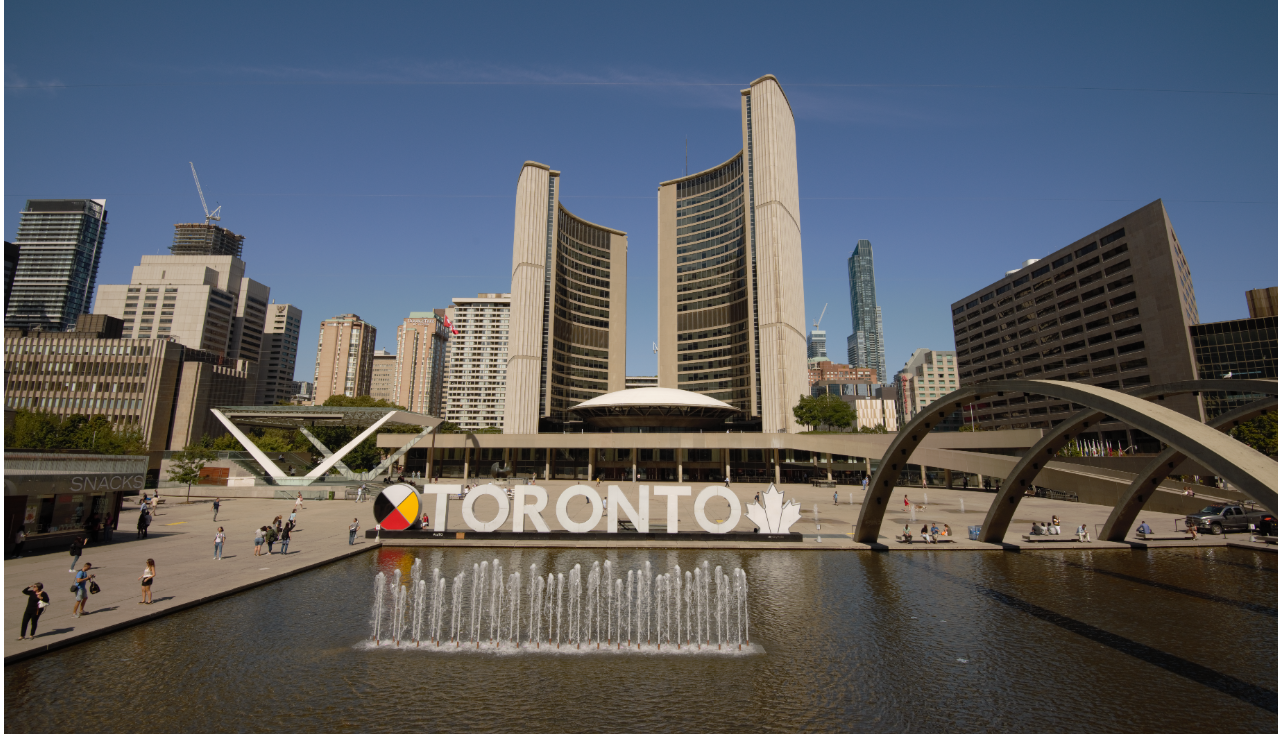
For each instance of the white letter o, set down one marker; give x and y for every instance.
(734, 510)
(503, 508)
(596, 508)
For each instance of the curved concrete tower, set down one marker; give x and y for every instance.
(730, 271)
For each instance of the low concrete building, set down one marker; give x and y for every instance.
(57, 496)
(383, 383)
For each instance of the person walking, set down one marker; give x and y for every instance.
(907, 504)
(284, 537)
(359, 494)
(147, 577)
(218, 539)
(217, 505)
(141, 521)
(354, 529)
(19, 538)
(82, 579)
(865, 483)
(77, 548)
(292, 518)
(258, 538)
(298, 503)
(37, 600)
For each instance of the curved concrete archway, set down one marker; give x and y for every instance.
(1142, 488)
(1009, 496)
(1247, 469)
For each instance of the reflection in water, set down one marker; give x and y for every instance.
(884, 641)
(695, 610)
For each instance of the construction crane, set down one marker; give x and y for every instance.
(214, 217)
(815, 324)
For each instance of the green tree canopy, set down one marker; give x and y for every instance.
(826, 410)
(185, 466)
(47, 431)
(1261, 434)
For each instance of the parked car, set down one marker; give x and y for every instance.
(1220, 519)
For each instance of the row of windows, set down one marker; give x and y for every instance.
(1046, 268)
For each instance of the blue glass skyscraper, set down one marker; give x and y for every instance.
(865, 344)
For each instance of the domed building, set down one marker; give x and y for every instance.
(657, 410)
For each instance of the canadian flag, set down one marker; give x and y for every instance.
(448, 324)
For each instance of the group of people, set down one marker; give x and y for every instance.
(1046, 528)
(278, 530)
(927, 535)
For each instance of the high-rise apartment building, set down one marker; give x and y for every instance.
(61, 241)
(382, 386)
(344, 357)
(279, 354)
(865, 343)
(203, 302)
(816, 347)
(475, 388)
(206, 240)
(730, 271)
(933, 374)
(421, 352)
(1112, 309)
(11, 252)
(567, 310)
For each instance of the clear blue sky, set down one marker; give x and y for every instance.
(369, 151)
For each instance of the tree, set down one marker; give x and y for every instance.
(805, 412)
(40, 430)
(826, 410)
(1261, 434)
(186, 465)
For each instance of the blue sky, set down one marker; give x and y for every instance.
(369, 151)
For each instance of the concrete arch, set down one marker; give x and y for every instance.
(1009, 496)
(1142, 488)
(1247, 469)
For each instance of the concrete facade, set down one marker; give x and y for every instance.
(568, 306)
(382, 386)
(475, 385)
(422, 346)
(730, 265)
(278, 360)
(203, 302)
(1113, 309)
(344, 357)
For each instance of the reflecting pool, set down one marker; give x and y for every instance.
(951, 641)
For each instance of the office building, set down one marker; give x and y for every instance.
(567, 307)
(279, 354)
(730, 272)
(1112, 309)
(933, 374)
(303, 392)
(865, 343)
(1261, 302)
(61, 245)
(475, 383)
(159, 387)
(206, 240)
(344, 357)
(382, 386)
(816, 347)
(421, 355)
(1242, 349)
(203, 302)
(637, 381)
(827, 370)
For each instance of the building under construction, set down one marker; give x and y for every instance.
(205, 239)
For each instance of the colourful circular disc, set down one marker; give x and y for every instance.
(398, 507)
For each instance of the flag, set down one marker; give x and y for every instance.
(448, 324)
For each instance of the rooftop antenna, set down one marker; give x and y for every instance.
(215, 216)
(817, 324)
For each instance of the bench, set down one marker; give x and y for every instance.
(1051, 538)
(1151, 536)
(920, 539)
(1267, 539)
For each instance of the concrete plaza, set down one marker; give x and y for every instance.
(181, 542)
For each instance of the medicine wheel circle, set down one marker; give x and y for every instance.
(398, 507)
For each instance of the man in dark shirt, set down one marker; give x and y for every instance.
(285, 535)
(37, 598)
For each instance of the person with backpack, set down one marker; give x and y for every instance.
(37, 600)
(285, 534)
(271, 535)
(77, 548)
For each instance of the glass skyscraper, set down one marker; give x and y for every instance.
(865, 345)
(61, 241)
